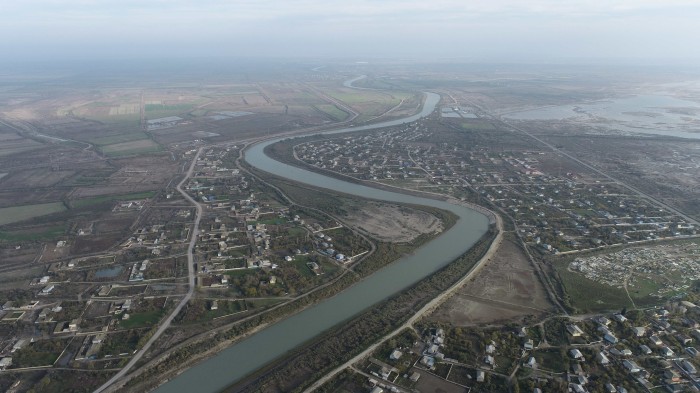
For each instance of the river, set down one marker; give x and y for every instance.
(254, 352)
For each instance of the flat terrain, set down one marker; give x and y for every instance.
(392, 223)
(506, 289)
(19, 213)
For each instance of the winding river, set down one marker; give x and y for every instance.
(254, 352)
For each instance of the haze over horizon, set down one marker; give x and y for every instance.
(500, 30)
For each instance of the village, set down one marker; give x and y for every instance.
(650, 350)
(559, 208)
(252, 252)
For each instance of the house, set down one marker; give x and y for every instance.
(432, 349)
(522, 332)
(5, 363)
(576, 354)
(639, 331)
(414, 377)
(529, 344)
(687, 366)
(489, 360)
(672, 376)
(377, 389)
(577, 388)
(603, 321)
(696, 333)
(396, 355)
(610, 338)
(288, 258)
(480, 375)
(631, 366)
(532, 362)
(667, 352)
(610, 388)
(490, 348)
(602, 359)
(656, 340)
(619, 318)
(574, 330)
(428, 361)
(19, 345)
(692, 351)
(683, 339)
(645, 349)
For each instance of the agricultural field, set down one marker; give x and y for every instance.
(370, 104)
(9, 215)
(12, 144)
(117, 138)
(333, 111)
(130, 148)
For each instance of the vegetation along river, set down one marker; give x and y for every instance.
(254, 352)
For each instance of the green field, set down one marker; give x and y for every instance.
(20, 213)
(332, 111)
(478, 125)
(299, 263)
(119, 138)
(140, 146)
(25, 235)
(589, 296)
(141, 319)
(39, 353)
(105, 198)
(163, 107)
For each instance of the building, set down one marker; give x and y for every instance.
(609, 337)
(396, 355)
(574, 330)
(576, 354)
(639, 331)
(687, 366)
(667, 352)
(5, 363)
(631, 366)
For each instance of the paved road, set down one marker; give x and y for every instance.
(111, 385)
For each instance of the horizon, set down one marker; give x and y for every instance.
(505, 31)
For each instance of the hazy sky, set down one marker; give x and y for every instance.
(483, 30)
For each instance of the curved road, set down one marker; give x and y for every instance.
(190, 291)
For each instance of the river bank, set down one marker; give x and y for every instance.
(253, 353)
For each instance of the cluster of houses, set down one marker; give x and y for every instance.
(657, 337)
(624, 267)
(596, 214)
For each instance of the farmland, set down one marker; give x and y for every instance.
(9, 215)
(131, 148)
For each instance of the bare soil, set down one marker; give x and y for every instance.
(506, 290)
(429, 383)
(392, 223)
